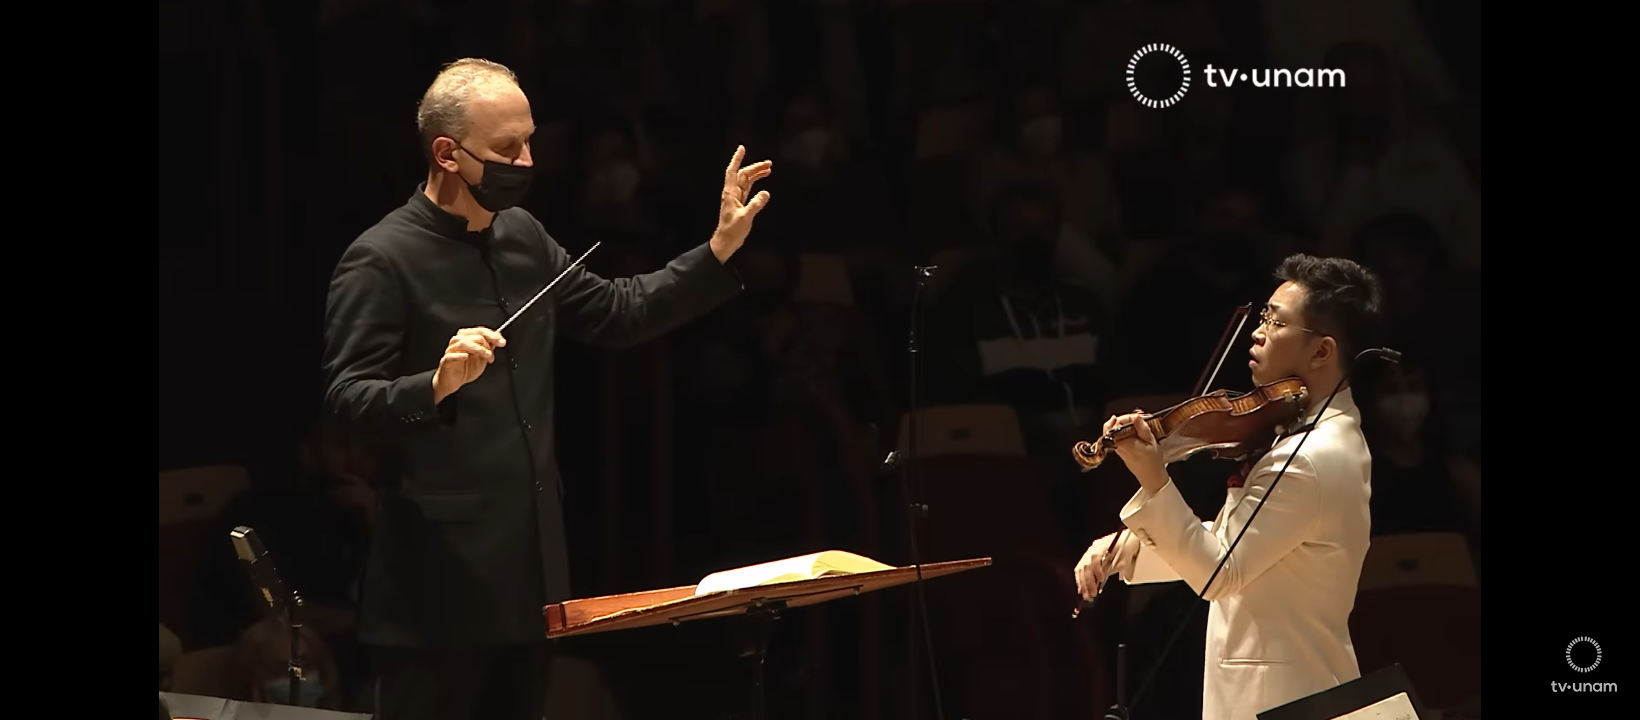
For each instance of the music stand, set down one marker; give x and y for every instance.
(1383, 695)
(761, 605)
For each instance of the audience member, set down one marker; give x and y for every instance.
(1007, 331)
(1373, 157)
(1177, 311)
(1412, 487)
(1433, 311)
(617, 188)
(314, 527)
(1036, 145)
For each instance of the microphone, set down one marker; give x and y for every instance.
(890, 463)
(266, 578)
(264, 575)
(1304, 434)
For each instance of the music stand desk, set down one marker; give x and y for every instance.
(762, 604)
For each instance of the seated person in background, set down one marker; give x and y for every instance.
(618, 187)
(1033, 148)
(1433, 310)
(1413, 490)
(1006, 331)
(1175, 313)
(261, 662)
(1372, 157)
(315, 525)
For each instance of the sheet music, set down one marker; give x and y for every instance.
(1395, 707)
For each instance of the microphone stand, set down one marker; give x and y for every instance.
(915, 512)
(280, 600)
(293, 615)
(1119, 711)
(1386, 353)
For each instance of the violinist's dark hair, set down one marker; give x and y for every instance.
(1342, 299)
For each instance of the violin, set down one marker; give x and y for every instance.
(1228, 425)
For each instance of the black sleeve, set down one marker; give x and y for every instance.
(628, 311)
(365, 320)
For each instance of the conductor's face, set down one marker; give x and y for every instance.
(494, 160)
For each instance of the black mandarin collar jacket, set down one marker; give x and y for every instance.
(469, 542)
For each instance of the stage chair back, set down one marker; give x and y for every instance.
(1420, 605)
(964, 430)
(986, 498)
(189, 502)
(1418, 560)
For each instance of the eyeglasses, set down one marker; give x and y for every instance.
(1268, 321)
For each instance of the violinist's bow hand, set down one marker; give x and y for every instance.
(1092, 569)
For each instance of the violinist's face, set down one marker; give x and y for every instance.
(1283, 345)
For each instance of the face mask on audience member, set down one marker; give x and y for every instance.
(1043, 136)
(1405, 411)
(808, 148)
(276, 691)
(619, 181)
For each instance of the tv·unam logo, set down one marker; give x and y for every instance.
(1583, 654)
(1223, 77)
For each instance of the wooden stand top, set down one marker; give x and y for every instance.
(671, 606)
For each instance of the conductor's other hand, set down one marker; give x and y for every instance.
(469, 352)
(1094, 568)
(737, 206)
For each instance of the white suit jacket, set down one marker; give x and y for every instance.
(1278, 628)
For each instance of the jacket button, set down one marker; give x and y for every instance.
(512, 363)
(528, 427)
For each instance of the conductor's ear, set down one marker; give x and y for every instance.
(444, 154)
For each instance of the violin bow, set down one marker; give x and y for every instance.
(1215, 362)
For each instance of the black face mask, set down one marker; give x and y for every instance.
(504, 185)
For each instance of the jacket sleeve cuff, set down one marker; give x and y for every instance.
(723, 279)
(413, 402)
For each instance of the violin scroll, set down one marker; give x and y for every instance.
(1225, 424)
(1090, 455)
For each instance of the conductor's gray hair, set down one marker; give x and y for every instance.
(443, 108)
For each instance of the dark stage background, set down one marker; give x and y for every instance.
(903, 133)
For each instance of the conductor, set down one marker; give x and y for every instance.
(469, 541)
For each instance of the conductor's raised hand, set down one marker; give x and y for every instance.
(469, 352)
(1139, 450)
(737, 206)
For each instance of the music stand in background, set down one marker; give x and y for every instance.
(1383, 695)
(761, 605)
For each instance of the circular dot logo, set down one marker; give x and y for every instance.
(1581, 641)
(1133, 86)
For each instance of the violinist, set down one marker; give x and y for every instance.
(1278, 627)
